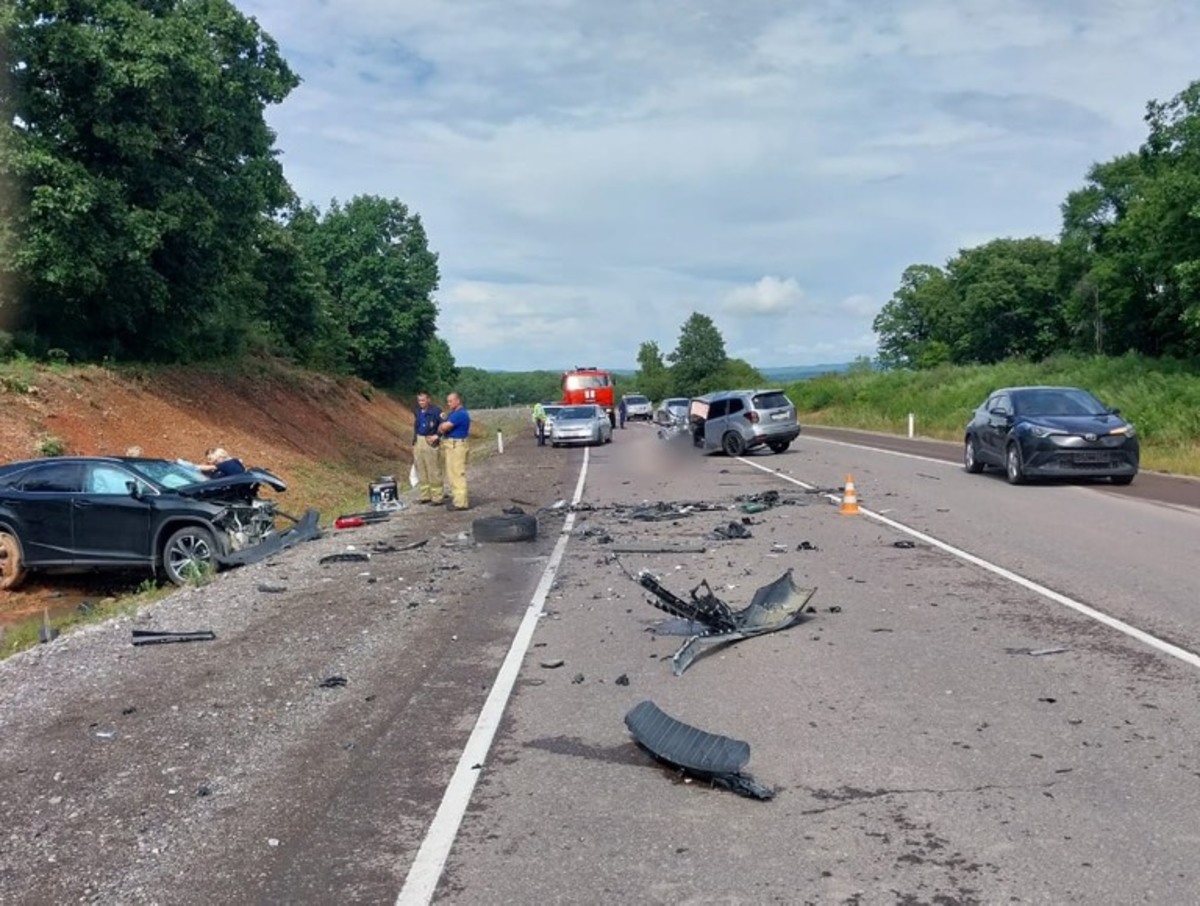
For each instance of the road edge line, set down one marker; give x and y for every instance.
(1188, 657)
(426, 870)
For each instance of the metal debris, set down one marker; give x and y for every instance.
(332, 682)
(1036, 652)
(162, 637)
(731, 531)
(778, 605)
(706, 756)
(346, 557)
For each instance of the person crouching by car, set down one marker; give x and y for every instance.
(219, 464)
(426, 453)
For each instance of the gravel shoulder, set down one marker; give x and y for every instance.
(224, 770)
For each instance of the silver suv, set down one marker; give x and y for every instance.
(739, 420)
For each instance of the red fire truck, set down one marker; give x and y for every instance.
(590, 384)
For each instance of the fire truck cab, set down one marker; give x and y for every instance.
(589, 384)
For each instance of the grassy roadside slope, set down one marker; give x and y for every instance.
(1160, 396)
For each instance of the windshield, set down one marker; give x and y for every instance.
(1056, 402)
(168, 474)
(585, 381)
(569, 412)
(678, 403)
(637, 400)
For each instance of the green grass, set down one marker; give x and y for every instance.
(1160, 396)
(26, 633)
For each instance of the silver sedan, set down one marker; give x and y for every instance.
(581, 425)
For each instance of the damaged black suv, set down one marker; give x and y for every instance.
(84, 513)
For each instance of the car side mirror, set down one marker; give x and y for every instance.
(134, 489)
(1113, 410)
(998, 412)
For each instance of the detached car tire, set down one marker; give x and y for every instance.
(12, 570)
(189, 554)
(517, 527)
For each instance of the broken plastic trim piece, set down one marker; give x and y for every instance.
(157, 637)
(304, 530)
(775, 606)
(706, 756)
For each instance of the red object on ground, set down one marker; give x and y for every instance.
(349, 522)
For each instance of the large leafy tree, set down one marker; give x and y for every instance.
(381, 276)
(653, 378)
(698, 357)
(913, 326)
(141, 172)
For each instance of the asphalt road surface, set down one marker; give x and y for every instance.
(992, 701)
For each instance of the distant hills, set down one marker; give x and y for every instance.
(787, 373)
(783, 374)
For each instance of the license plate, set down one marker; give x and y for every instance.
(778, 416)
(1091, 458)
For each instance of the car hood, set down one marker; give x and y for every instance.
(232, 485)
(561, 422)
(1077, 424)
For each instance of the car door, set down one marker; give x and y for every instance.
(715, 424)
(112, 525)
(994, 432)
(42, 503)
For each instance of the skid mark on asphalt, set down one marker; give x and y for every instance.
(1188, 657)
(421, 883)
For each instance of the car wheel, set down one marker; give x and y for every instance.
(189, 554)
(12, 570)
(1122, 479)
(971, 456)
(732, 444)
(779, 446)
(516, 527)
(1014, 471)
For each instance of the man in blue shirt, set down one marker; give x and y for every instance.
(454, 430)
(426, 455)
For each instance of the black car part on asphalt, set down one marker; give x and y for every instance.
(505, 527)
(163, 637)
(775, 606)
(703, 755)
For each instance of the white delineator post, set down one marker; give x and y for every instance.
(499, 441)
(910, 424)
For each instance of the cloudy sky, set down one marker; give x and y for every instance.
(592, 171)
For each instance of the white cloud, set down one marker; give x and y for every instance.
(592, 173)
(769, 296)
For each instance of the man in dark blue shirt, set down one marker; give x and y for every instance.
(427, 455)
(455, 428)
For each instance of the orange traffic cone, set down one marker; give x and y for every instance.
(849, 499)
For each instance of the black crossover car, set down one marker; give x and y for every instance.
(83, 513)
(1050, 432)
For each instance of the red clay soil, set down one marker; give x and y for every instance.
(315, 431)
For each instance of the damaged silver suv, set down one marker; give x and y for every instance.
(736, 421)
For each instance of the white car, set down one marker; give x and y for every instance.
(637, 406)
(585, 424)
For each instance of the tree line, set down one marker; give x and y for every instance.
(1123, 275)
(144, 214)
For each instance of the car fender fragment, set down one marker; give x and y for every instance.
(707, 756)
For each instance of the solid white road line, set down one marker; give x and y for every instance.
(842, 443)
(426, 869)
(1188, 657)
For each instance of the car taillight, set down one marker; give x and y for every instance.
(752, 416)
